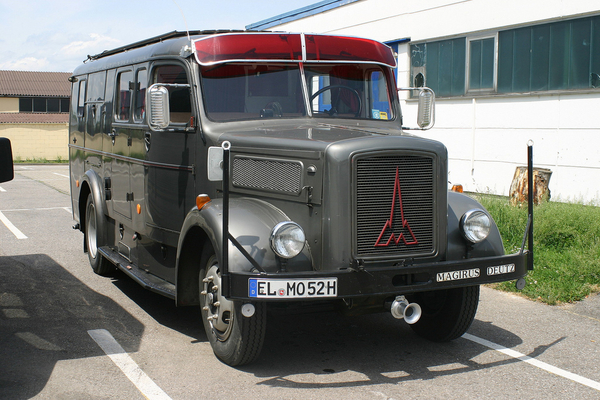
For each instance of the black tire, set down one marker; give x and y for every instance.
(235, 339)
(99, 264)
(446, 314)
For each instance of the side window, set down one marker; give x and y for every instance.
(96, 86)
(141, 83)
(179, 97)
(380, 100)
(81, 100)
(123, 100)
(481, 64)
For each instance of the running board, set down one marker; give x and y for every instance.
(147, 280)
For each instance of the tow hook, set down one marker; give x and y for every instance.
(402, 309)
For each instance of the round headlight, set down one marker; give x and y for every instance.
(475, 225)
(287, 239)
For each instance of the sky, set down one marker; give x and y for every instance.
(57, 35)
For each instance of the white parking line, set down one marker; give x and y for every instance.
(56, 173)
(38, 209)
(131, 370)
(15, 231)
(540, 364)
(2, 189)
(11, 227)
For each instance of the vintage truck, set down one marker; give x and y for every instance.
(239, 171)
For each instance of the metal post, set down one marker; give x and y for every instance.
(225, 282)
(530, 186)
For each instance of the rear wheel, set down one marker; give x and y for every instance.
(99, 264)
(235, 339)
(446, 314)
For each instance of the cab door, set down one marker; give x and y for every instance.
(169, 179)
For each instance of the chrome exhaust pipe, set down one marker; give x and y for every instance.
(402, 309)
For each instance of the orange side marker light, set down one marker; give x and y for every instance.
(202, 200)
(457, 188)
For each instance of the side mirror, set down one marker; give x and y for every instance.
(7, 172)
(158, 112)
(426, 108)
(425, 114)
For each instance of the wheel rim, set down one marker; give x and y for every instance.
(218, 310)
(91, 231)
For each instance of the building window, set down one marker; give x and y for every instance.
(44, 104)
(555, 56)
(482, 55)
(443, 65)
(25, 104)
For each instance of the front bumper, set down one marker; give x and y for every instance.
(393, 280)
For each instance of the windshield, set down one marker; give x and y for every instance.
(243, 91)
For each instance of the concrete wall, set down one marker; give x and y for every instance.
(9, 104)
(37, 141)
(487, 136)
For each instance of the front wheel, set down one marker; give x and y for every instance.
(235, 339)
(446, 314)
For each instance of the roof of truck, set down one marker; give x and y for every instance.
(219, 46)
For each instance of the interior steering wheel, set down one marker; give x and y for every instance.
(333, 107)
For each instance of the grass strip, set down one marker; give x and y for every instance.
(566, 248)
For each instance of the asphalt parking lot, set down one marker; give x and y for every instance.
(66, 333)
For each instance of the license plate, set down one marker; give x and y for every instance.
(292, 288)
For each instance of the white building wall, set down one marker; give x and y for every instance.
(487, 137)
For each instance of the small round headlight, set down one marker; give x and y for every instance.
(287, 239)
(475, 225)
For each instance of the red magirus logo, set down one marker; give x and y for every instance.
(393, 237)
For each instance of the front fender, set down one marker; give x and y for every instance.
(250, 223)
(458, 247)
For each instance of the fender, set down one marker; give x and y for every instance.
(458, 204)
(95, 186)
(250, 222)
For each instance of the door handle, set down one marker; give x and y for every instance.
(147, 136)
(112, 135)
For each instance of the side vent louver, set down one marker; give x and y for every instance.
(267, 174)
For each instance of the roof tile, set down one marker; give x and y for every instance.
(34, 118)
(35, 83)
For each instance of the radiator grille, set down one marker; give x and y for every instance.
(267, 174)
(377, 182)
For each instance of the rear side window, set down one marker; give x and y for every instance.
(123, 101)
(140, 95)
(81, 99)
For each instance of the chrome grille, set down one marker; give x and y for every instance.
(267, 174)
(375, 186)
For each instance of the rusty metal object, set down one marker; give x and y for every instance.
(519, 186)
